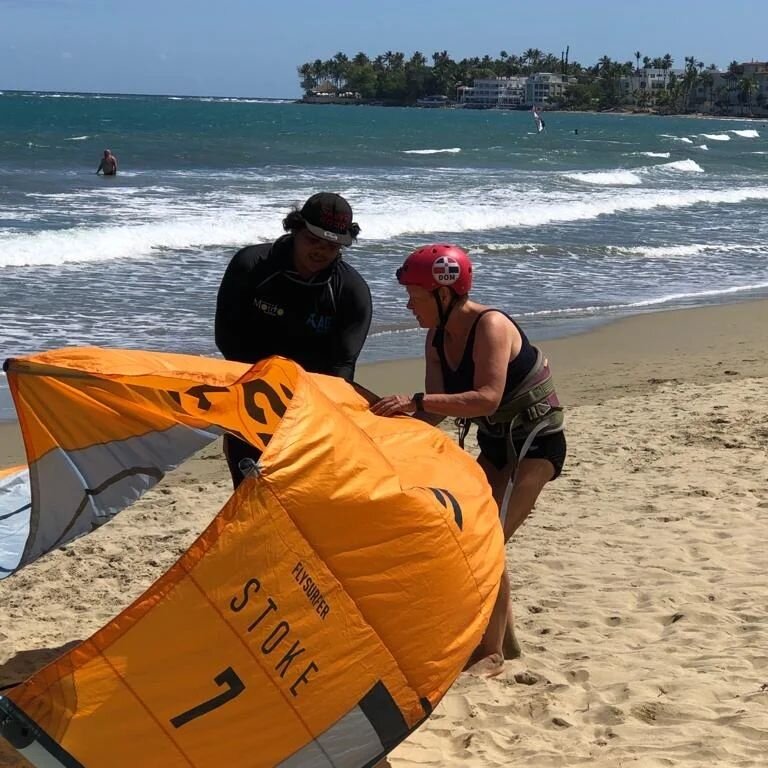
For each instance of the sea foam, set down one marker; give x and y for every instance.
(684, 166)
(607, 178)
(448, 151)
(226, 228)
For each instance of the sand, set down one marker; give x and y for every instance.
(639, 583)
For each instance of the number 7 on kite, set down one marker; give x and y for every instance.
(235, 687)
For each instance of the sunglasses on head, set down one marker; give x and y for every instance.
(319, 240)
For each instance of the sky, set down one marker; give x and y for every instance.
(253, 47)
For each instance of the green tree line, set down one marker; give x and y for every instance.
(392, 78)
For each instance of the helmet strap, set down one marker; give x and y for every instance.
(444, 314)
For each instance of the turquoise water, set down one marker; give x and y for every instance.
(568, 229)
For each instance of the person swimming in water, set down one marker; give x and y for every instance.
(108, 164)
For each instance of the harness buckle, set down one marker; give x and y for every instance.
(538, 410)
(462, 430)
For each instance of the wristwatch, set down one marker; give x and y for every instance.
(418, 398)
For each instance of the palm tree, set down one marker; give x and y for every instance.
(307, 81)
(339, 67)
(397, 61)
(440, 58)
(604, 64)
(444, 72)
(550, 63)
(747, 87)
(708, 81)
(317, 70)
(512, 65)
(665, 63)
(688, 82)
(532, 57)
(418, 59)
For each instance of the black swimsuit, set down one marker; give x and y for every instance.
(495, 447)
(462, 379)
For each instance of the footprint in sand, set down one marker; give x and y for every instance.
(528, 678)
(578, 675)
(455, 707)
(604, 735)
(656, 712)
(607, 714)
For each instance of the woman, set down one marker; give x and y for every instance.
(481, 368)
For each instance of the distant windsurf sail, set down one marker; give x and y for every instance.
(540, 124)
(318, 619)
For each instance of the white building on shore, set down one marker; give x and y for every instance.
(650, 80)
(546, 88)
(514, 92)
(743, 89)
(493, 92)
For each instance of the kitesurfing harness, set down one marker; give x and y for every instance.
(531, 409)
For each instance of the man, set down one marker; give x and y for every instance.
(295, 298)
(108, 164)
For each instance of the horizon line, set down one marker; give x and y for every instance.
(132, 93)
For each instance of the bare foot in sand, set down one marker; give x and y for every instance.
(488, 666)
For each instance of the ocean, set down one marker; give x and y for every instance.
(600, 216)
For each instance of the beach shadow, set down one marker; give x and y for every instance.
(16, 670)
(25, 663)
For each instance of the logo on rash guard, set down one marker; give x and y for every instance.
(319, 323)
(268, 309)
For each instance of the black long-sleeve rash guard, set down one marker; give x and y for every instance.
(263, 308)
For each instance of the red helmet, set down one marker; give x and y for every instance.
(437, 265)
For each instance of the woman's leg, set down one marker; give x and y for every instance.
(532, 476)
(488, 658)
